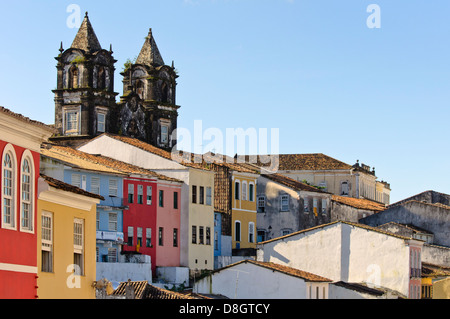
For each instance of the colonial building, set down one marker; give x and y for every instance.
(286, 205)
(19, 150)
(352, 253)
(66, 241)
(85, 101)
(333, 176)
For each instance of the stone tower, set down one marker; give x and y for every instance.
(147, 109)
(85, 104)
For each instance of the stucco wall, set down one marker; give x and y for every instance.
(344, 252)
(247, 281)
(429, 217)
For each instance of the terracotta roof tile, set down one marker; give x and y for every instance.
(144, 290)
(69, 188)
(98, 163)
(25, 119)
(292, 183)
(283, 269)
(160, 152)
(314, 162)
(359, 203)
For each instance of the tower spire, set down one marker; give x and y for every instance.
(149, 54)
(86, 39)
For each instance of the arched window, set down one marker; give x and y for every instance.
(26, 197)
(165, 93)
(101, 78)
(8, 188)
(140, 89)
(237, 230)
(251, 232)
(73, 77)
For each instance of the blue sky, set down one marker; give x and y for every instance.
(311, 68)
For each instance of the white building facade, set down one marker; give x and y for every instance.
(349, 252)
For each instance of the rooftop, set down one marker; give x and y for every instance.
(68, 188)
(307, 276)
(359, 203)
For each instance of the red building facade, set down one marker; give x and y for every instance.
(145, 230)
(19, 151)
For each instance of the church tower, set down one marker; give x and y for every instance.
(147, 109)
(85, 104)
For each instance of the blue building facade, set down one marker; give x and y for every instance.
(109, 211)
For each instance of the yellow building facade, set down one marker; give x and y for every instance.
(66, 232)
(243, 210)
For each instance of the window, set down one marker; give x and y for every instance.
(202, 195)
(27, 196)
(175, 237)
(244, 190)
(47, 242)
(284, 203)
(251, 232)
(324, 206)
(237, 230)
(130, 193)
(95, 185)
(285, 232)
(101, 78)
(112, 188)
(139, 236)
(148, 237)
(175, 200)
(236, 190)
(76, 180)
(140, 198)
(160, 236)
(261, 204)
(201, 236)
(251, 192)
(130, 236)
(306, 205)
(149, 195)
(112, 255)
(194, 234)
(344, 188)
(112, 222)
(161, 198)
(208, 196)
(208, 236)
(194, 194)
(71, 122)
(315, 206)
(101, 120)
(73, 77)
(8, 189)
(216, 240)
(78, 243)
(164, 134)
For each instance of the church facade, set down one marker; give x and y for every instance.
(85, 101)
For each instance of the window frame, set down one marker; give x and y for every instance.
(68, 129)
(12, 224)
(27, 157)
(284, 207)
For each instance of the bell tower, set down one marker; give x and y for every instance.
(85, 104)
(147, 109)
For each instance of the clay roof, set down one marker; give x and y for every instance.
(144, 290)
(160, 152)
(378, 230)
(69, 188)
(359, 203)
(292, 183)
(431, 270)
(86, 39)
(307, 276)
(98, 163)
(25, 119)
(149, 54)
(313, 162)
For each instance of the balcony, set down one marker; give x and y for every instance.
(110, 236)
